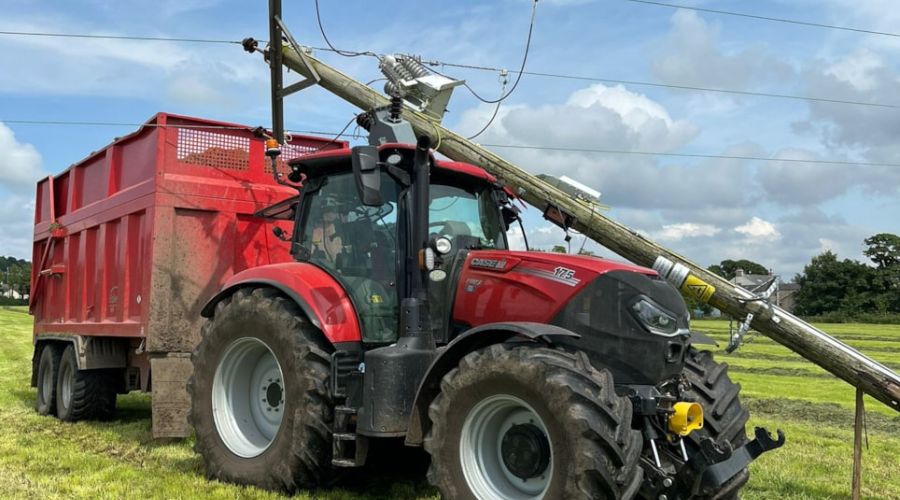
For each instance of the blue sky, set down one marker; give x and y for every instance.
(777, 213)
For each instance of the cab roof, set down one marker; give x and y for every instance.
(324, 161)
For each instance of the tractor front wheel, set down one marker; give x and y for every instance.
(724, 417)
(260, 407)
(523, 422)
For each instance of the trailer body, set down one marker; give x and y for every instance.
(131, 242)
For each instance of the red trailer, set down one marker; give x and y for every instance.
(132, 241)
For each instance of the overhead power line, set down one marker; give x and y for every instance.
(695, 88)
(117, 37)
(765, 18)
(688, 155)
(504, 146)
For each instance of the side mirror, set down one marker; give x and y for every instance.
(510, 215)
(367, 175)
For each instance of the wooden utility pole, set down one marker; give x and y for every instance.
(783, 327)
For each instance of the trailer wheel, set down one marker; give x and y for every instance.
(48, 371)
(83, 394)
(531, 422)
(260, 405)
(724, 418)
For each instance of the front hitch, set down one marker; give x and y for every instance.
(714, 465)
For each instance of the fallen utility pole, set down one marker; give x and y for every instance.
(813, 344)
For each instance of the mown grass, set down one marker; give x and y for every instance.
(40, 456)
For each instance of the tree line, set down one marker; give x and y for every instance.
(15, 276)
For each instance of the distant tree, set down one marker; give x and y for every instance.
(586, 252)
(829, 285)
(559, 249)
(728, 268)
(884, 250)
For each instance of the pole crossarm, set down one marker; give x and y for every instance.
(801, 337)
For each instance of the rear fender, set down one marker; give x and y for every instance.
(321, 297)
(450, 356)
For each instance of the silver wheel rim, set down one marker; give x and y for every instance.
(479, 449)
(65, 386)
(248, 397)
(46, 383)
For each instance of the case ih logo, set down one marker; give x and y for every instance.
(497, 265)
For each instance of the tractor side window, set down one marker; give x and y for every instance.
(358, 245)
(456, 212)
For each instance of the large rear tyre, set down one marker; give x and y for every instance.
(48, 372)
(83, 394)
(260, 404)
(724, 419)
(523, 422)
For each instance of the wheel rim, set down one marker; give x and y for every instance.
(46, 383)
(486, 462)
(248, 397)
(66, 385)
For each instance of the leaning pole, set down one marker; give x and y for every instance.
(694, 281)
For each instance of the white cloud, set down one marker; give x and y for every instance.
(20, 163)
(759, 229)
(857, 69)
(680, 231)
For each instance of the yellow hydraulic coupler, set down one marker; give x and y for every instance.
(687, 418)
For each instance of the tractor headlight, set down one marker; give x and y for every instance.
(654, 317)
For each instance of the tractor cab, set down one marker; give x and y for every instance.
(368, 247)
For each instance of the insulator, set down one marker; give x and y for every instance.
(393, 70)
(396, 108)
(391, 88)
(413, 66)
(364, 120)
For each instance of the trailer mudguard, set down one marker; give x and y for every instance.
(470, 340)
(320, 296)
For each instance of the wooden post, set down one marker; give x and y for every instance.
(857, 445)
(813, 344)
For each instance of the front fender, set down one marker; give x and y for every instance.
(323, 300)
(470, 340)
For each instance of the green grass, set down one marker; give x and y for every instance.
(40, 456)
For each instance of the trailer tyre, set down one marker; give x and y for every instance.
(48, 372)
(83, 394)
(724, 419)
(260, 404)
(531, 422)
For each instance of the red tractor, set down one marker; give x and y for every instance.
(406, 316)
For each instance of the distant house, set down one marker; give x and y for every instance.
(8, 292)
(785, 294)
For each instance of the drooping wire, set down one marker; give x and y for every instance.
(496, 110)
(345, 53)
(521, 68)
(336, 137)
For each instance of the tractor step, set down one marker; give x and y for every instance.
(348, 448)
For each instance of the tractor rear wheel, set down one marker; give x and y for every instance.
(522, 422)
(48, 371)
(83, 394)
(260, 405)
(724, 419)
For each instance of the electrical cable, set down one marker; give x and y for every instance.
(694, 88)
(765, 18)
(344, 53)
(119, 37)
(521, 68)
(493, 116)
(507, 146)
(690, 155)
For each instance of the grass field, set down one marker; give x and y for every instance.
(40, 456)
